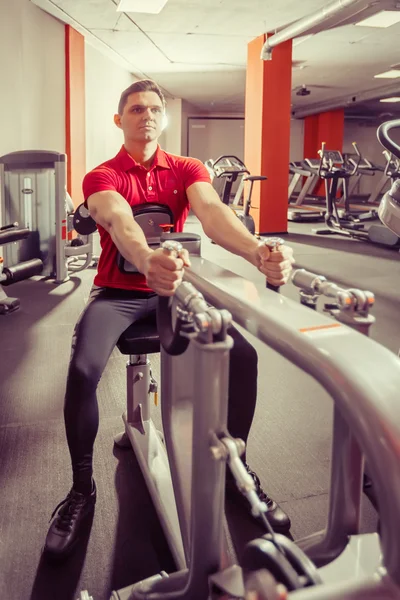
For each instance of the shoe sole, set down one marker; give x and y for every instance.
(54, 558)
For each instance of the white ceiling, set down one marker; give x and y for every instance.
(197, 49)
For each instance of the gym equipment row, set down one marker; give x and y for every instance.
(195, 343)
(225, 172)
(331, 169)
(355, 165)
(33, 193)
(12, 274)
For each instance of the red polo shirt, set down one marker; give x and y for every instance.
(165, 182)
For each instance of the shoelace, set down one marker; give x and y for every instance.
(260, 492)
(71, 504)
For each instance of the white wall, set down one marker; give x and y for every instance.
(296, 139)
(188, 110)
(213, 137)
(105, 81)
(171, 138)
(32, 67)
(365, 136)
(209, 138)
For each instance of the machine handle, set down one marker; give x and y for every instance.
(10, 226)
(273, 244)
(322, 156)
(230, 156)
(385, 140)
(357, 164)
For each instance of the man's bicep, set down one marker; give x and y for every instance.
(105, 204)
(201, 196)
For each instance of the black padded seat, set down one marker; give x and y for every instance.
(140, 338)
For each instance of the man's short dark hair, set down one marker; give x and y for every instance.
(144, 85)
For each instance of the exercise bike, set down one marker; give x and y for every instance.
(195, 346)
(332, 170)
(228, 168)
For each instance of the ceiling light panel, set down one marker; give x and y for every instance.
(393, 74)
(141, 6)
(385, 18)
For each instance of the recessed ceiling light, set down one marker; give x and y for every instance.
(141, 6)
(385, 18)
(392, 74)
(394, 99)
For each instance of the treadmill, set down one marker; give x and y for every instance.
(297, 212)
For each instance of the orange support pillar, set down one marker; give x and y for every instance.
(267, 133)
(75, 112)
(325, 127)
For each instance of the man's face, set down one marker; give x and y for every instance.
(142, 117)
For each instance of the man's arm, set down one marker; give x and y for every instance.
(110, 210)
(224, 228)
(163, 273)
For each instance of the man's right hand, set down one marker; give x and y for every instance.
(164, 270)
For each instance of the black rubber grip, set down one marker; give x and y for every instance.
(13, 234)
(170, 339)
(273, 288)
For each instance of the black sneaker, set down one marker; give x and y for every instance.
(67, 526)
(277, 518)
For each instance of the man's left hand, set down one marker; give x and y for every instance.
(276, 265)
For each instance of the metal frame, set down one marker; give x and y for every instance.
(366, 422)
(192, 524)
(141, 433)
(366, 402)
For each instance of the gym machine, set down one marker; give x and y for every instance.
(333, 564)
(33, 193)
(10, 234)
(391, 173)
(301, 169)
(225, 172)
(389, 208)
(357, 166)
(365, 168)
(227, 169)
(299, 213)
(350, 165)
(331, 169)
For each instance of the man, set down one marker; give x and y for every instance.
(142, 172)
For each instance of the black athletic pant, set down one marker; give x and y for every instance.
(108, 313)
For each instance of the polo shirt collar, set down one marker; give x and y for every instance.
(127, 162)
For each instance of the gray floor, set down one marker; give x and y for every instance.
(289, 445)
